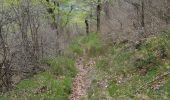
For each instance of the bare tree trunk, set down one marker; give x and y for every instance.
(106, 9)
(87, 26)
(42, 48)
(24, 40)
(2, 63)
(23, 24)
(7, 75)
(143, 14)
(142, 31)
(55, 23)
(34, 26)
(137, 24)
(57, 30)
(5, 70)
(98, 16)
(168, 12)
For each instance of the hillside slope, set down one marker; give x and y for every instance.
(133, 71)
(122, 70)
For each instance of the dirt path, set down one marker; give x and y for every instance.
(82, 81)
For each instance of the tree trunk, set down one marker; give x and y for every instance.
(98, 16)
(143, 14)
(106, 9)
(168, 12)
(57, 29)
(5, 71)
(35, 43)
(87, 26)
(1, 63)
(42, 48)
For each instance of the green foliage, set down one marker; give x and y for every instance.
(120, 66)
(103, 64)
(147, 62)
(54, 84)
(166, 89)
(62, 66)
(93, 44)
(26, 84)
(116, 59)
(153, 51)
(113, 88)
(58, 89)
(90, 44)
(9, 3)
(76, 47)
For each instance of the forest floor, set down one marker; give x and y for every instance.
(104, 72)
(121, 71)
(83, 79)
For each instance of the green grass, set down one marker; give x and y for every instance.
(62, 66)
(118, 63)
(57, 82)
(153, 51)
(90, 44)
(121, 64)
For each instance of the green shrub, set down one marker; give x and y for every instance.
(57, 89)
(147, 63)
(57, 82)
(90, 44)
(119, 66)
(63, 66)
(153, 51)
(76, 48)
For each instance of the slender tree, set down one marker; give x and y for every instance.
(143, 14)
(98, 11)
(87, 26)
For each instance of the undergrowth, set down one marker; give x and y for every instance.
(53, 84)
(122, 70)
(129, 70)
(90, 45)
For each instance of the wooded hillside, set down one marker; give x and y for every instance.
(84, 49)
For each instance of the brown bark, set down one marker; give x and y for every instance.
(98, 16)
(87, 26)
(143, 14)
(5, 70)
(106, 9)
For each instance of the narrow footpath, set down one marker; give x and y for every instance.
(83, 80)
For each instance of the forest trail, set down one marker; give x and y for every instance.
(83, 80)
